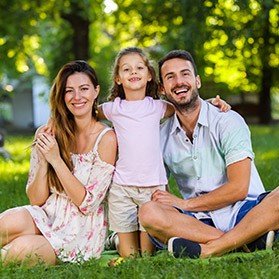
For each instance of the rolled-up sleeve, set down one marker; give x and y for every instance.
(236, 139)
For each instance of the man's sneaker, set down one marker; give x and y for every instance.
(180, 248)
(264, 242)
(111, 241)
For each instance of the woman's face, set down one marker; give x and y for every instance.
(80, 94)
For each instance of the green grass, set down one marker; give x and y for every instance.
(262, 264)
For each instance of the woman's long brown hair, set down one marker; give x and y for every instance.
(62, 119)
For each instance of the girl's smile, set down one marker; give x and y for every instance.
(133, 75)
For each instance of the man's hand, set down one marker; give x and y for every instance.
(221, 104)
(167, 198)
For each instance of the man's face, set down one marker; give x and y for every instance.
(180, 85)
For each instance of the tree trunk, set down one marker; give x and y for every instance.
(265, 93)
(80, 26)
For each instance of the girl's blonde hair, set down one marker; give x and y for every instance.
(152, 85)
(62, 119)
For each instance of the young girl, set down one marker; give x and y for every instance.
(135, 111)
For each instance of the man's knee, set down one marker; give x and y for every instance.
(147, 213)
(273, 199)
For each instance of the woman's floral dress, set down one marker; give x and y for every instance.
(76, 233)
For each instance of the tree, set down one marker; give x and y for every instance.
(235, 43)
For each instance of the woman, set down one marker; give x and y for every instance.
(69, 176)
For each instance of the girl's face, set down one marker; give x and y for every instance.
(80, 94)
(133, 74)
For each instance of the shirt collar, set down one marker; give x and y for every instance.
(203, 116)
(202, 120)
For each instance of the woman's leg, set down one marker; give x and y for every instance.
(259, 220)
(16, 222)
(128, 244)
(29, 248)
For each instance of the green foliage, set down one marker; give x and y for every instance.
(227, 38)
(14, 172)
(265, 145)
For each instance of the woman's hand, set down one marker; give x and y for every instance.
(221, 104)
(48, 147)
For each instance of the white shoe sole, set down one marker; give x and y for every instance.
(270, 239)
(170, 246)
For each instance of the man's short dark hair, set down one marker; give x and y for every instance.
(179, 53)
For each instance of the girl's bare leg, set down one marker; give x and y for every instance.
(146, 245)
(128, 244)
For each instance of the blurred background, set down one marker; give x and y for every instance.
(234, 43)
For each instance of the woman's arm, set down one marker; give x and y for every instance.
(101, 174)
(48, 146)
(75, 190)
(37, 188)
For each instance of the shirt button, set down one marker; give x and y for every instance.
(195, 136)
(195, 157)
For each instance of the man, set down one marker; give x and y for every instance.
(209, 153)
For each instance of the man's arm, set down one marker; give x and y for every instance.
(234, 190)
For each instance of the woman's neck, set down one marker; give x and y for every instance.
(85, 125)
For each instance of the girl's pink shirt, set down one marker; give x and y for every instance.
(137, 127)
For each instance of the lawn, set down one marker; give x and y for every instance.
(262, 264)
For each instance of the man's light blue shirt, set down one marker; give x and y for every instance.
(219, 139)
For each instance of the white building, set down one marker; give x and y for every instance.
(29, 105)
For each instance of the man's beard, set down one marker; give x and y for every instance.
(186, 105)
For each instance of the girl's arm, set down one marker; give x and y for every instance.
(169, 110)
(217, 101)
(221, 104)
(101, 114)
